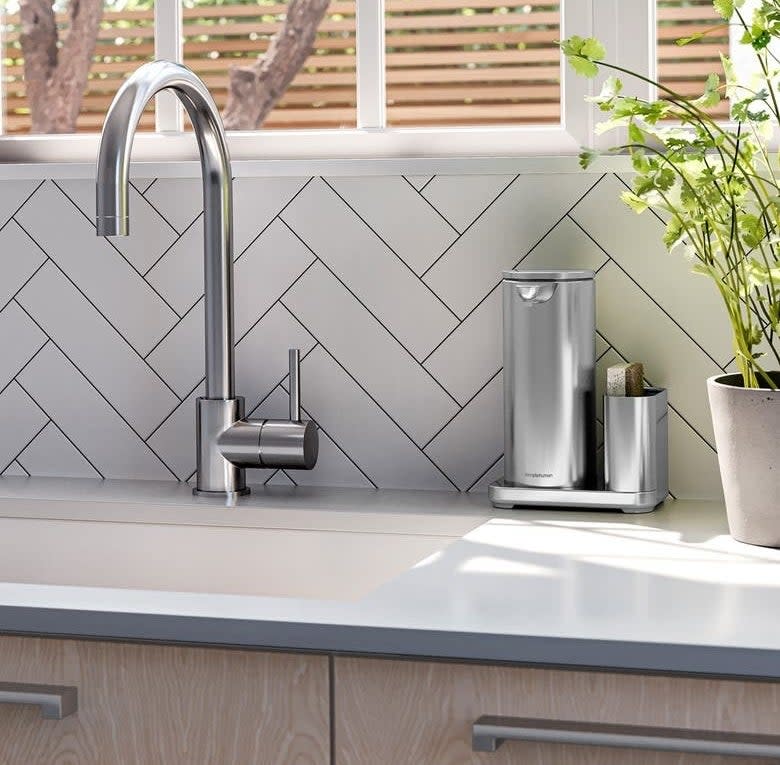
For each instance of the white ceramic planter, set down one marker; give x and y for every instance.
(747, 435)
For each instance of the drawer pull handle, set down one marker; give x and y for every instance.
(488, 733)
(55, 701)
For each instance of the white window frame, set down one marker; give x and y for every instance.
(390, 149)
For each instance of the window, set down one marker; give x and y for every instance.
(123, 41)
(218, 35)
(684, 68)
(491, 63)
(383, 78)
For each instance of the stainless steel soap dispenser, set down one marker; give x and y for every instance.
(549, 379)
(550, 452)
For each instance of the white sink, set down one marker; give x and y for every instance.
(328, 565)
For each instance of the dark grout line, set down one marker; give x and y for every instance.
(653, 212)
(278, 215)
(265, 483)
(462, 322)
(311, 417)
(75, 446)
(178, 239)
(178, 323)
(589, 236)
(485, 472)
(278, 384)
(113, 247)
(692, 427)
(645, 292)
(154, 180)
(369, 311)
(471, 225)
(670, 405)
(32, 275)
(601, 356)
(418, 277)
(99, 392)
(665, 312)
(538, 241)
(278, 300)
(289, 477)
(560, 220)
(378, 405)
(430, 204)
(28, 362)
(29, 474)
(255, 239)
(37, 433)
(106, 319)
(170, 414)
(193, 389)
(457, 414)
(26, 200)
(170, 225)
(427, 183)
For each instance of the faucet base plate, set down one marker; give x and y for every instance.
(222, 494)
(509, 497)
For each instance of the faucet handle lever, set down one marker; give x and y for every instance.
(295, 384)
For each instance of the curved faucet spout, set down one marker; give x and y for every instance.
(112, 197)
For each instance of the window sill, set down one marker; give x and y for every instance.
(296, 153)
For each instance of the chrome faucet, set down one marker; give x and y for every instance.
(227, 443)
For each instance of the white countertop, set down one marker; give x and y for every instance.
(389, 572)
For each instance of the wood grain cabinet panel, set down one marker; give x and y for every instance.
(166, 705)
(420, 713)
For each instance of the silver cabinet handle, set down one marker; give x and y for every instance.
(488, 733)
(55, 701)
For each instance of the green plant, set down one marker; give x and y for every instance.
(717, 187)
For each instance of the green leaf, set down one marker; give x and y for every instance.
(582, 53)
(753, 109)
(751, 229)
(593, 49)
(639, 161)
(611, 88)
(732, 84)
(673, 233)
(711, 95)
(689, 39)
(583, 66)
(754, 337)
(724, 7)
(635, 133)
(665, 179)
(637, 204)
(760, 275)
(587, 157)
(758, 35)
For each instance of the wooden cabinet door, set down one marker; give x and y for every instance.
(166, 705)
(421, 713)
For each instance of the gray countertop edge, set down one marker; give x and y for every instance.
(572, 653)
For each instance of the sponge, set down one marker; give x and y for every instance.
(625, 380)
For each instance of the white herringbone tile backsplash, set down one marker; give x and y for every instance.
(388, 285)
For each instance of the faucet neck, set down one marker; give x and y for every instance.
(113, 189)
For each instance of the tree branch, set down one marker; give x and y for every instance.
(70, 78)
(55, 79)
(254, 90)
(38, 38)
